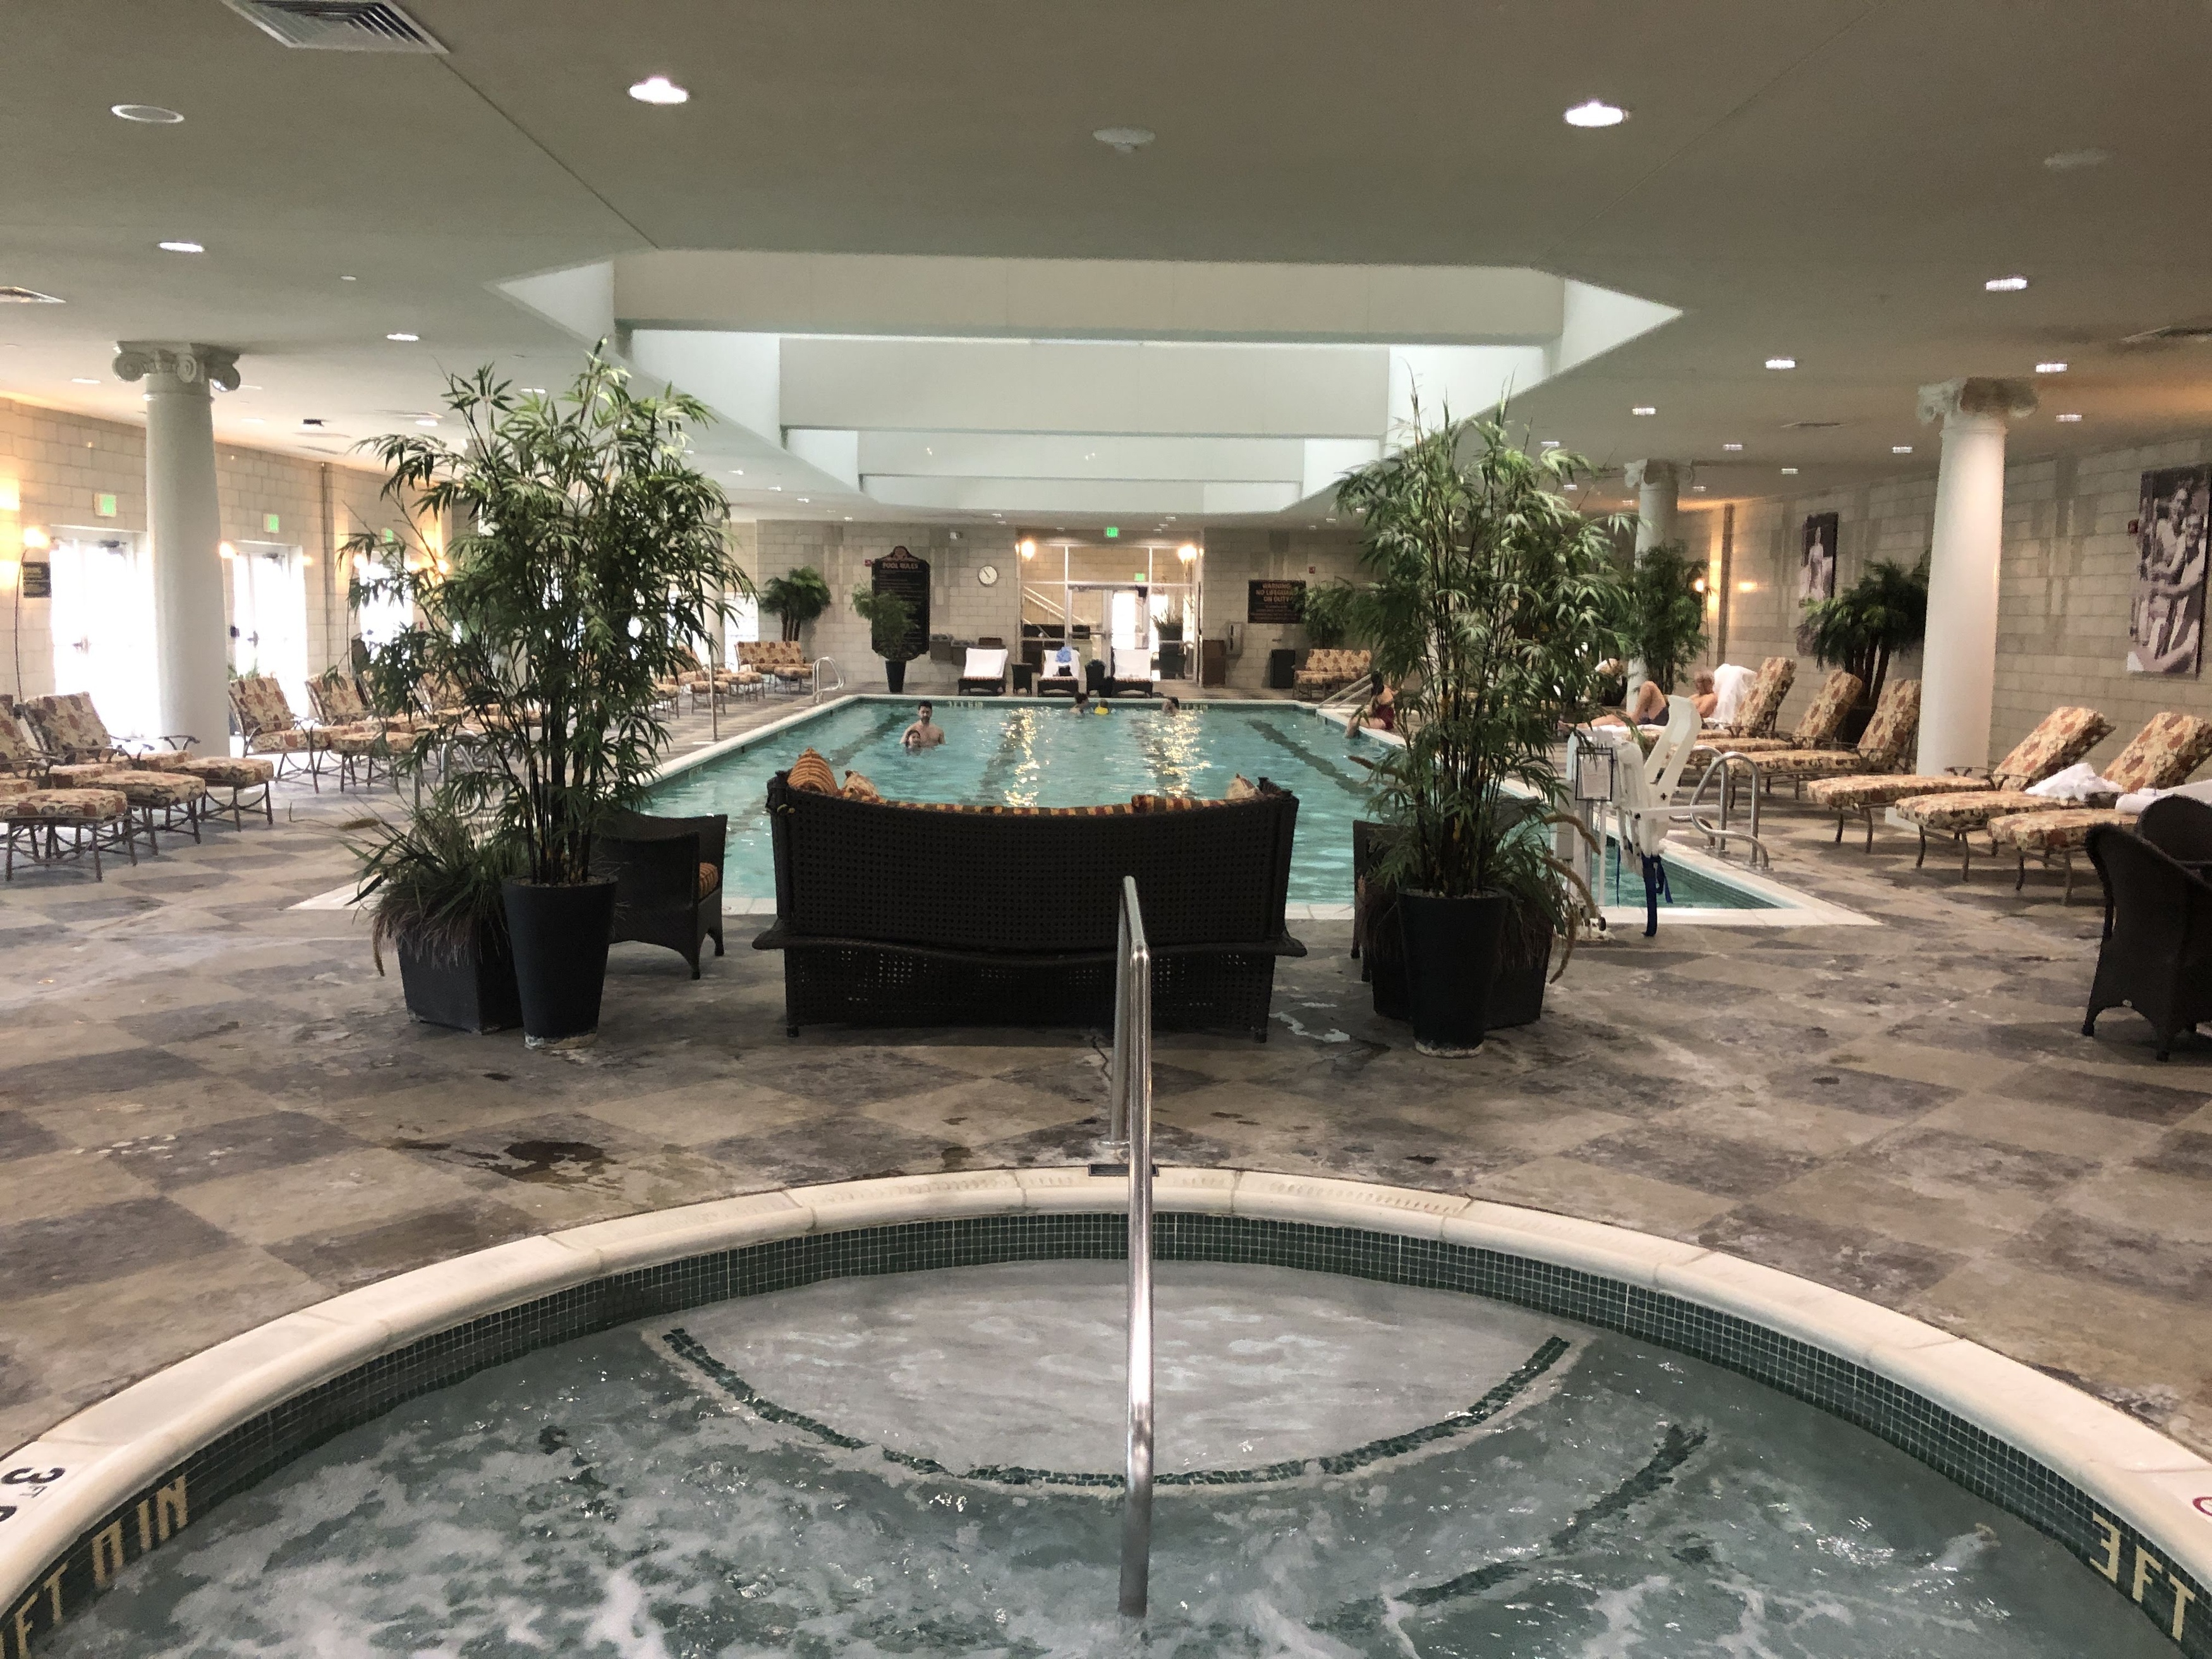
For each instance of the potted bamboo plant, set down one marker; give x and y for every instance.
(795, 599)
(891, 633)
(433, 886)
(1494, 603)
(1665, 612)
(563, 556)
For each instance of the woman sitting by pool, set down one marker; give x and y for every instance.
(1380, 712)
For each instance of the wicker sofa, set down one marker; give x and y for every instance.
(1326, 670)
(919, 915)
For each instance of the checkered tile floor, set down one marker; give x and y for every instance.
(212, 1110)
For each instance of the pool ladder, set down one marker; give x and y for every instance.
(1723, 767)
(1129, 1127)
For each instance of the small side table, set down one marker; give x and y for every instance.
(1025, 678)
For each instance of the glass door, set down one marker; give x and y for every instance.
(102, 619)
(269, 616)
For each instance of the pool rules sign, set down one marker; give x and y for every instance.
(899, 572)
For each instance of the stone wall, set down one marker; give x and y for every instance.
(2064, 586)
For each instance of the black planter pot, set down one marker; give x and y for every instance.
(474, 992)
(1524, 961)
(894, 676)
(1451, 967)
(560, 935)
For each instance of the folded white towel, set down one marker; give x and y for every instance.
(2077, 782)
(1731, 685)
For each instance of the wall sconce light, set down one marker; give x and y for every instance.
(1698, 585)
(35, 540)
(1029, 549)
(1746, 587)
(224, 550)
(11, 572)
(1187, 552)
(11, 496)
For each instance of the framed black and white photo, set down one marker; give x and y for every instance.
(2166, 619)
(1816, 567)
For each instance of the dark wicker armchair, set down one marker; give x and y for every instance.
(2180, 827)
(2156, 957)
(668, 880)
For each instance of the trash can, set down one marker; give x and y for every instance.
(1282, 670)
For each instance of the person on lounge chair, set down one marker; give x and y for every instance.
(924, 732)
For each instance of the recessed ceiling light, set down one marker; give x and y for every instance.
(180, 247)
(349, 279)
(405, 338)
(1551, 443)
(249, 386)
(1901, 449)
(1789, 472)
(2066, 160)
(848, 517)
(533, 390)
(426, 421)
(1782, 363)
(777, 487)
(736, 472)
(658, 89)
(1696, 489)
(79, 379)
(1126, 141)
(803, 500)
(1596, 112)
(2005, 284)
(1731, 446)
(2069, 417)
(1644, 409)
(1573, 486)
(152, 115)
(2050, 369)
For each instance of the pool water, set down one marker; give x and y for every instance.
(1030, 754)
(1395, 1472)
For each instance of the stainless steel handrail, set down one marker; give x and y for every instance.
(1348, 698)
(1721, 765)
(1130, 1126)
(837, 683)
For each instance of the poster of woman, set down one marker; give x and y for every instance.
(1816, 569)
(2165, 622)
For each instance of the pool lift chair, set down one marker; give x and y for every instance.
(1643, 794)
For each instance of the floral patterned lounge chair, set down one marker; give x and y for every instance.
(1762, 703)
(2060, 738)
(2160, 757)
(1888, 739)
(2182, 745)
(1816, 728)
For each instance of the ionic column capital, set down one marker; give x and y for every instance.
(1973, 396)
(177, 366)
(1660, 474)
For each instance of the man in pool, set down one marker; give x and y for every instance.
(1171, 705)
(924, 732)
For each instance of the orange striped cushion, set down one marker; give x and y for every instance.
(810, 771)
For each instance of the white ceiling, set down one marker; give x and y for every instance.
(1828, 179)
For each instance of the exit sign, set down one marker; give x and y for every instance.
(269, 522)
(1112, 531)
(103, 506)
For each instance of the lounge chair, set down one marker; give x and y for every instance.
(31, 822)
(1762, 703)
(1816, 727)
(668, 879)
(1062, 674)
(2156, 953)
(75, 731)
(2060, 738)
(1325, 669)
(2161, 756)
(985, 673)
(780, 662)
(23, 758)
(1132, 673)
(1883, 747)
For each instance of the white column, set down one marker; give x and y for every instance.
(1658, 487)
(1959, 678)
(192, 679)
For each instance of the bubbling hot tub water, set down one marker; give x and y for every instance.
(924, 1463)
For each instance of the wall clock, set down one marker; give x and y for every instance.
(988, 576)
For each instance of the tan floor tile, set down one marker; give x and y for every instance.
(325, 1194)
(975, 1112)
(1952, 1068)
(1793, 1127)
(72, 1041)
(704, 1112)
(1597, 1193)
(1845, 1195)
(2045, 1128)
(100, 1121)
(58, 1182)
(2147, 1201)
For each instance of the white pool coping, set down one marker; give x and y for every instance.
(111, 1451)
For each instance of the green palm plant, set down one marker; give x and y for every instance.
(797, 598)
(586, 555)
(1666, 617)
(1883, 612)
(1494, 603)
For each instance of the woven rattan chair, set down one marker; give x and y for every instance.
(2157, 954)
(668, 879)
(2180, 827)
(929, 916)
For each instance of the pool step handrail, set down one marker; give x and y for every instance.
(836, 682)
(1349, 697)
(1721, 766)
(1129, 1125)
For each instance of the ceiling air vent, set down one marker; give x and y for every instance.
(1808, 425)
(27, 297)
(337, 25)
